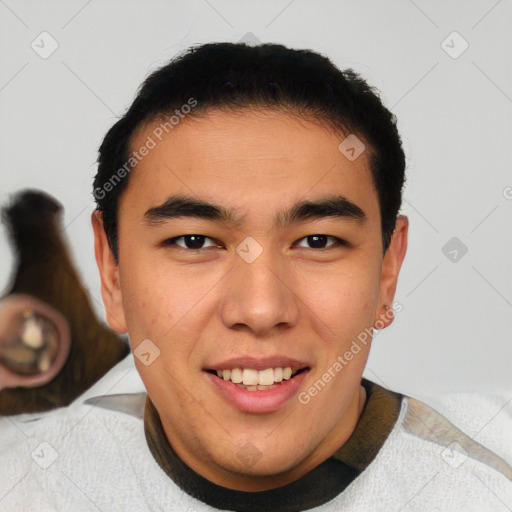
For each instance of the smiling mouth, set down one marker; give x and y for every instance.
(251, 379)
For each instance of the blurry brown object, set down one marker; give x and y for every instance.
(52, 346)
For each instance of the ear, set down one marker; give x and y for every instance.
(109, 274)
(391, 264)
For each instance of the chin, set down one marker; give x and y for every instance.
(263, 459)
(266, 474)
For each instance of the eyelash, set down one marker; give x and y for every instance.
(172, 242)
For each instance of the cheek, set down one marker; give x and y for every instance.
(147, 303)
(344, 299)
(164, 303)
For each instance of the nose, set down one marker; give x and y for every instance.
(259, 297)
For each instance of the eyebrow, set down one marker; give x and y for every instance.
(181, 206)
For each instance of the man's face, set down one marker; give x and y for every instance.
(252, 295)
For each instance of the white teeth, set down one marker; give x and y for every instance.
(266, 377)
(250, 377)
(236, 376)
(256, 388)
(262, 379)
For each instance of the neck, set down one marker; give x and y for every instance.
(254, 483)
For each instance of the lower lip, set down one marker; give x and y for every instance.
(259, 401)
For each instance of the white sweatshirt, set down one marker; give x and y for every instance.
(81, 458)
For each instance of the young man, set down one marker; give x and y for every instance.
(249, 240)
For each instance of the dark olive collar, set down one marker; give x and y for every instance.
(317, 487)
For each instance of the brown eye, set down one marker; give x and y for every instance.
(320, 241)
(193, 242)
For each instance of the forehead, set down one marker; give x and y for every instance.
(246, 158)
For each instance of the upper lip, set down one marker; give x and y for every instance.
(260, 363)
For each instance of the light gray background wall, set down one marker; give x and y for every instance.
(454, 113)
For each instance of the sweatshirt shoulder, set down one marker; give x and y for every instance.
(449, 454)
(477, 426)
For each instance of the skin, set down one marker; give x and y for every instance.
(295, 299)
